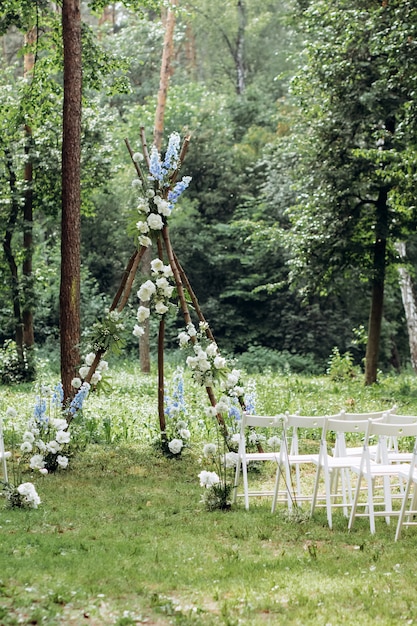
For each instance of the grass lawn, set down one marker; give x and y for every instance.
(122, 538)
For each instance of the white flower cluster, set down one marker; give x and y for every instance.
(85, 368)
(43, 440)
(206, 364)
(156, 292)
(208, 479)
(152, 211)
(29, 495)
(177, 443)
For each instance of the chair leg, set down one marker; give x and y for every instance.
(355, 502)
(276, 488)
(371, 505)
(315, 490)
(403, 509)
(245, 484)
(236, 483)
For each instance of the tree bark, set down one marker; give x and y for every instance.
(27, 267)
(10, 258)
(378, 283)
(71, 195)
(165, 75)
(409, 302)
(240, 47)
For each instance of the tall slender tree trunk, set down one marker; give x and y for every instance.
(27, 267)
(240, 48)
(71, 195)
(378, 283)
(10, 257)
(165, 75)
(409, 302)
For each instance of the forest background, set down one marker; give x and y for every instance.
(297, 231)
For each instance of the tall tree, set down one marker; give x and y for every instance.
(356, 95)
(71, 194)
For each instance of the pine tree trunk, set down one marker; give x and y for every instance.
(409, 302)
(71, 195)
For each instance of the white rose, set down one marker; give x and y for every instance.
(63, 436)
(155, 221)
(37, 462)
(143, 313)
(83, 371)
(138, 331)
(157, 266)
(144, 241)
(62, 461)
(175, 446)
(219, 362)
(90, 358)
(146, 290)
(161, 308)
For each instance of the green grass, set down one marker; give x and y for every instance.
(122, 538)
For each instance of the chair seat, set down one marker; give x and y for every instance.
(379, 469)
(303, 458)
(262, 456)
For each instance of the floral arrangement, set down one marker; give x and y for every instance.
(217, 483)
(22, 496)
(177, 433)
(18, 494)
(156, 293)
(96, 379)
(159, 193)
(44, 446)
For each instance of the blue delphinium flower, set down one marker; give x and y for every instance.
(234, 412)
(39, 411)
(58, 395)
(178, 189)
(171, 155)
(155, 165)
(78, 399)
(250, 402)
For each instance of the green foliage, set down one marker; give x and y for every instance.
(341, 366)
(15, 368)
(259, 359)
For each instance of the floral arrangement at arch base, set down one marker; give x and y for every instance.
(43, 447)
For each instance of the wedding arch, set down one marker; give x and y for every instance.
(159, 187)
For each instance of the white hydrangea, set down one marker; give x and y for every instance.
(175, 446)
(30, 496)
(208, 479)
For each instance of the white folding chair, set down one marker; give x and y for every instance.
(408, 511)
(332, 466)
(369, 471)
(290, 457)
(2, 454)
(250, 423)
(389, 451)
(341, 447)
